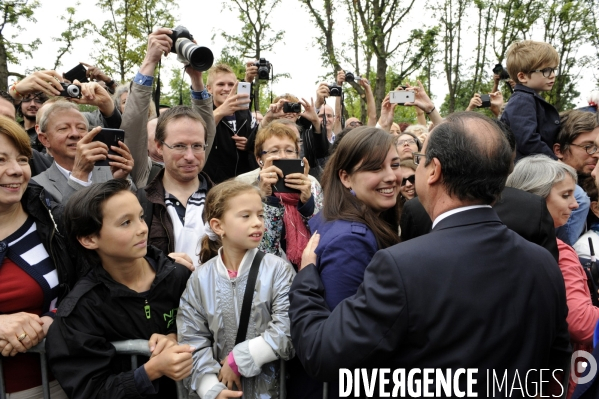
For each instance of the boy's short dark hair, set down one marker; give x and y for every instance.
(527, 55)
(83, 216)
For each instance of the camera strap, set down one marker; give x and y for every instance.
(157, 90)
(248, 297)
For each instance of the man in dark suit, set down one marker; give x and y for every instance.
(471, 294)
(523, 212)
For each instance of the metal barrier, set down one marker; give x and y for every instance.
(133, 347)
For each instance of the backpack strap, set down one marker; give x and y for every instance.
(248, 296)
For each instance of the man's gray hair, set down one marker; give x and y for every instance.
(57, 107)
(537, 174)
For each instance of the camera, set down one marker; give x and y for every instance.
(486, 99)
(263, 69)
(335, 90)
(292, 107)
(500, 70)
(70, 90)
(198, 57)
(349, 77)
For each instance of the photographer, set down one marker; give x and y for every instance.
(421, 100)
(496, 103)
(94, 73)
(135, 119)
(234, 122)
(370, 105)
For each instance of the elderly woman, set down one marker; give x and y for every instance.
(555, 181)
(35, 269)
(285, 215)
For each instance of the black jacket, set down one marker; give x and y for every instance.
(533, 120)
(520, 211)
(471, 294)
(225, 160)
(99, 311)
(47, 216)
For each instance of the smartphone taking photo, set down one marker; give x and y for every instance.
(109, 137)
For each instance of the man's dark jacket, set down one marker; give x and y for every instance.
(225, 160)
(471, 294)
(533, 120)
(521, 211)
(99, 311)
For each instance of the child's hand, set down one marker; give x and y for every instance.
(225, 393)
(227, 376)
(174, 362)
(159, 342)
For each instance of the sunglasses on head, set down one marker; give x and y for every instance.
(410, 179)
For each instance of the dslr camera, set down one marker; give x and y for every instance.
(335, 90)
(263, 69)
(292, 107)
(70, 90)
(500, 70)
(198, 57)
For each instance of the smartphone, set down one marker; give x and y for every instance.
(79, 73)
(401, 97)
(109, 137)
(486, 99)
(245, 88)
(288, 166)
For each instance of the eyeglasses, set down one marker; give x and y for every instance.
(547, 72)
(589, 148)
(410, 179)
(287, 152)
(36, 100)
(404, 142)
(356, 123)
(196, 148)
(417, 157)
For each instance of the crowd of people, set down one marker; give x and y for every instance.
(458, 242)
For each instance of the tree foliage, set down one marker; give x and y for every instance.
(75, 30)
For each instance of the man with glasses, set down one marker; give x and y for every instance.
(535, 122)
(576, 145)
(174, 201)
(27, 110)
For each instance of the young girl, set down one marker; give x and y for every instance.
(210, 308)
(131, 292)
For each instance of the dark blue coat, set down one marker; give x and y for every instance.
(344, 251)
(533, 120)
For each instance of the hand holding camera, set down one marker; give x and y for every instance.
(91, 93)
(159, 44)
(47, 82)
(251, 71)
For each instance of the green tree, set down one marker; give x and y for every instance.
(13, 12)
(75, 30)
(122, 38)
(257, 36)
(180, 92)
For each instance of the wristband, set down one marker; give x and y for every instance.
(429, 112)
(232, 364)
(14, 88)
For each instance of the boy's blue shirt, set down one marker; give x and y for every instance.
(534, 122)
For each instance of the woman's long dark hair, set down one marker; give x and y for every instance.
(362, 149)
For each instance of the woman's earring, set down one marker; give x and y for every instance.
(352, 192)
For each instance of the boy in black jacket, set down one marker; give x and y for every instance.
(131, 292)
(535, 122)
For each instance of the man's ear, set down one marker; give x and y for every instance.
(43, 138)
(209, 88)
(434, 172)
(345, 179)
(88, 242)
(557, 150)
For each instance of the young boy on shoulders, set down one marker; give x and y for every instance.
(535, 122)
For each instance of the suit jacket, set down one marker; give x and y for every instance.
(471, 294)
(60, 189)
(521, 211)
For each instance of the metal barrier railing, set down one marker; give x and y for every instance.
(133, 347)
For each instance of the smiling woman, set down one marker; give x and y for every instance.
(555, 181)
(32, 282)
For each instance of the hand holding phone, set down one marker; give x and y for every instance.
(244, 88)
(401, 97)
(110, 137)
(287, 166)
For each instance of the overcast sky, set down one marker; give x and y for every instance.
(297, 54)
